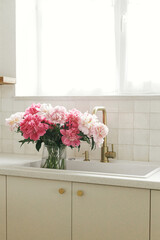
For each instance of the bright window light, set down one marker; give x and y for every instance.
(143, 47)
(65, 48)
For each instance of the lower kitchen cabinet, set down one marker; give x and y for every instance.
(38, 209)
(155, 215)
(110, 213)
(2, 208)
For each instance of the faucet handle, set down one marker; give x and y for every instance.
(112, 147)
(111, 154)
(86, 153)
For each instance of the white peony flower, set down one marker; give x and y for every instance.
(14, 120)
(55, 115)
(99, 131)
(59, 115)
(86, 122)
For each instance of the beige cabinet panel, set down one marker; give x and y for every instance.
(38, 210)
(155, 215)
(109, 213)
(2, 208)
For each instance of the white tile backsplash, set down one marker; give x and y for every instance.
(1, 118)
(111, 106)
(0, 145)
(18, 106)
(28, 103)
(125, 120)
(141, 120)
(126, 106)
(125, 152)
(4, 115)
(17, 136)
(70, 152)
(112, 137)
(125, 136)
(154, 154)
(155, 106)
(155, 121)
(154, 137)
(30, 149)
(141, 137)
(112, 120)
(81, 151)
(0, 104)
(7, 145)
(8, 91)
(142, 106)
(17, 148)
(80, 105)
(7, 104)
(0, 132)
(134, 124)
(6, 133)
(95, 154)
(141, 153)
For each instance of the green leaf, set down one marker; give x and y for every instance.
(38, 145)
(93, 144)
(26, 141)
(79, 148)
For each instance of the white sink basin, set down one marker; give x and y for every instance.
(137, 170)
(12, 162)
(115, 169)
(16, 160)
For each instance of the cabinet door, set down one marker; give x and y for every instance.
(2, 208)
(36, 210)
(110, 213)
(155, 215)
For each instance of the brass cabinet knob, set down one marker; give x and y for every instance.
(80, 193)
(61, 190)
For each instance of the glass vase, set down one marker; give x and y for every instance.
(53, 157)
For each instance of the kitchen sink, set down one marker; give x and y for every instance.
(115, 169)
(123, 169)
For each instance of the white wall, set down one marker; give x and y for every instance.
(7, 38)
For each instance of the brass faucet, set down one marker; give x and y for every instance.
(105, 154)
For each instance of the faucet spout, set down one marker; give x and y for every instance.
(104, 148)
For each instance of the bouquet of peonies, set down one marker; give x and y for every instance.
(57, 127)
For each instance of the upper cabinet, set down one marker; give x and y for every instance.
(38, 209)
(108, 212)
(2, 208)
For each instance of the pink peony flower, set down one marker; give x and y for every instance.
(33, 109)
(14, 120)
(99, 131)
(32, 127)
(73, 118)
(86, 122)
(70, 137)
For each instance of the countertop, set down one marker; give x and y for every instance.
(13, 165)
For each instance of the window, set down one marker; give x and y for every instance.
(65, 47)
(143, 47)
(87, 47)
